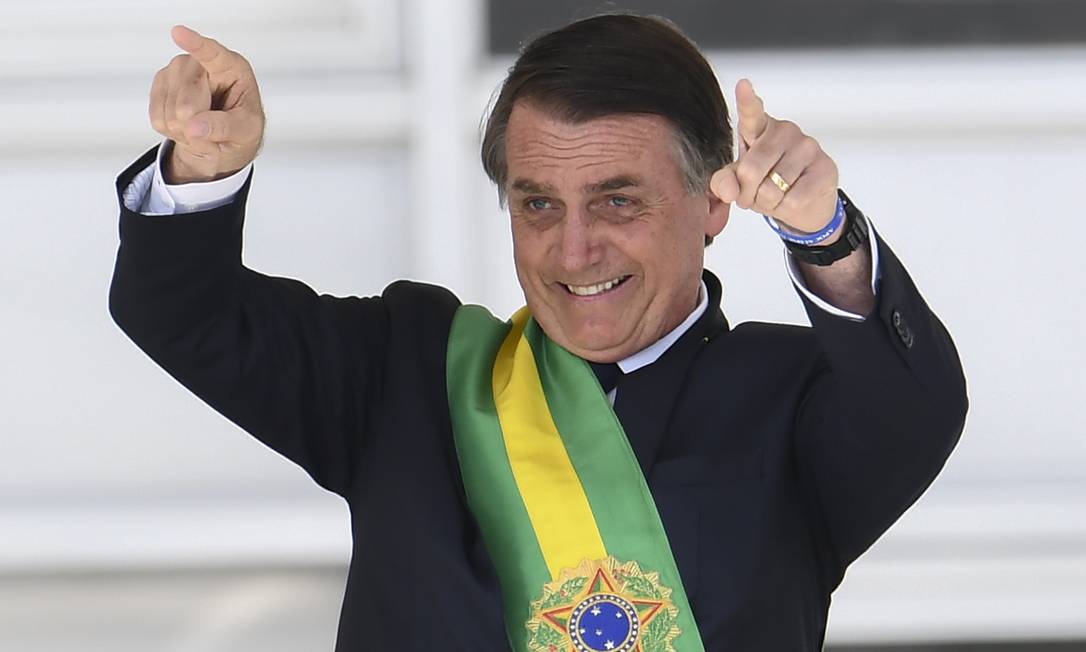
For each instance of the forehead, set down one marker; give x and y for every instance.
(539, 144)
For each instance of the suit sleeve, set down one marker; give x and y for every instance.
(298, 370)
(881, 415)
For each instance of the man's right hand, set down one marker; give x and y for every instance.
(208, 103)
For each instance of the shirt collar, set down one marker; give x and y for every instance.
(652, 352)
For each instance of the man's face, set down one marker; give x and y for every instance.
(608, 243)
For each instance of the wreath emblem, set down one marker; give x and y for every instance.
(604, 605)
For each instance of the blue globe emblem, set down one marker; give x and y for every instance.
(604, 623)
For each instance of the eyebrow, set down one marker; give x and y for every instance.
(614, 183)
(531, 187)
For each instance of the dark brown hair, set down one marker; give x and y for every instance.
(618, 64)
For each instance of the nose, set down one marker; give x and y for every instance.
(579, 241)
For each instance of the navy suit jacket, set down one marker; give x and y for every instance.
(776, 454)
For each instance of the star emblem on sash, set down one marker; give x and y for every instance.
(604, 606)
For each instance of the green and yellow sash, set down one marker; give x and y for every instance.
(581, 554)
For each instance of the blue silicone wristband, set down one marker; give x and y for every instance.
(811, 239)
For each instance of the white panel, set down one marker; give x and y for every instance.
(442, 42)
(75, 75)
(980, 564)
(68, 39)
(149, 533)
(337, 113)
(266, 610)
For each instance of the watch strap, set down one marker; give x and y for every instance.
(854, 234)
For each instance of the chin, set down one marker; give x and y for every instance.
(597, 347)
(593, 339)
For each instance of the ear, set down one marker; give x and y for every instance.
(717, 218)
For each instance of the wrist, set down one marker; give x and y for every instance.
(822, 237)
(179, 169)
(834, 237)
(852, 232)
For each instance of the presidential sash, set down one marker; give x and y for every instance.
(581, 554)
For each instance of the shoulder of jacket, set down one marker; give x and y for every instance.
(784, 343)
(773, 333)
(416, 296)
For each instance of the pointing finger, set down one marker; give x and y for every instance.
(752, 116)
(211, 54)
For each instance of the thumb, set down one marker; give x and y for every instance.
(752, 116)
(725, 183)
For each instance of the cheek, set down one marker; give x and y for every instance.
(678, 252)
(529, 255)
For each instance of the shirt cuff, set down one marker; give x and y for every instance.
(149, 194)
(797, 278)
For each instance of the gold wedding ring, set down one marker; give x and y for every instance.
(779, 181)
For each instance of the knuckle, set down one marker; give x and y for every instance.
(810, 146)
(824, 166)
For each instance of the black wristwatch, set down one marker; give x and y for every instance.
(855, 234)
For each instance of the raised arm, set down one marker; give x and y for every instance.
(879, 420)
(297, 370)
(294, 369)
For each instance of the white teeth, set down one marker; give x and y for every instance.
(589, 290)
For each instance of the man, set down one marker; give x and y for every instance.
(495, 498)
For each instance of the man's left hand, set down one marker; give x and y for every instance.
(768, 147)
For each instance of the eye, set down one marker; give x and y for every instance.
(620, 205)
(537, 204)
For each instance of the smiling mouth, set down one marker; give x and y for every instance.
(599, 288)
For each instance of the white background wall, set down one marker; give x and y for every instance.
(130, 514)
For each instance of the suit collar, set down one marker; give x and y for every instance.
(646, 398)
(652, 352)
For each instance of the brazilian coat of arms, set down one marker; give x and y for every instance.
(604, 605)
